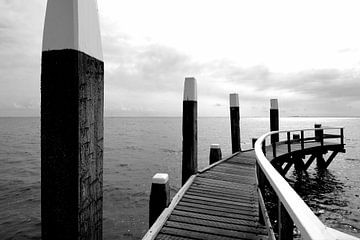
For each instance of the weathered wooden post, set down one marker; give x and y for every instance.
(189, 157)
(72, 101)
(215, 153)
(159, 196)
(285, 224)
(253, 141)
(235, 122)
(274, 119)
(319, 134)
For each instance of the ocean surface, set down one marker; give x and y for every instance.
(137, 148)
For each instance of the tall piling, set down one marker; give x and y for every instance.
(274, 119)
(235, 122)
(189, 129)
(72, 101)
(159, 196)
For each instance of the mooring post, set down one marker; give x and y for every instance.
(72, 102)
(253, 141)
(274, 119)
(189, 157)
(286, 224)
(235, 122)
(302, 139)
(159, 196)
(215, 153)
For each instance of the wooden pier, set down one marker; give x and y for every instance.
(225, 200)
(222, 200)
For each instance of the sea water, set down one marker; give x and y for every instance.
(137, 148)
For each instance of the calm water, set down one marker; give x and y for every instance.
(137, 148)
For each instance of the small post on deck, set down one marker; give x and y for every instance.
(235, 122)
(274, 119)
(215, 153)
(159, 196)
(72, 102)
(253, 141)
(189, 129)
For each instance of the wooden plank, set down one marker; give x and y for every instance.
(222, 219)
(199, 235)
(215, 213)
(239, 192)
(249, 190)
(219, 197)
(162, 236)
(216, 232)
(224, 183)
(222, 193)
(223, 208)
(215, 224)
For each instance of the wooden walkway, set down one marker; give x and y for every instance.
(221, 201)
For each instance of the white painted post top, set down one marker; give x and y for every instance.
(73, 24)
(160, 178)
(234, 100)
(274, 104)
(215, 146)
(190, 89)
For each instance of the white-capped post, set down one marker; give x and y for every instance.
(274, 119)
(189, 130)
(72, 100)
(235, 122)
(159, 196)
(215, 153)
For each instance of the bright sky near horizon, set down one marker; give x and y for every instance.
(305, 53)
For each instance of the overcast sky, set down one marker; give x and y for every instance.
(305, 53)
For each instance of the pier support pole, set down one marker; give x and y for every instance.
(72, 101)
(235, 122)
(274, 119)
(159, 196)
(286, 224)
(215, 153)
(189, 157)
(319, 136)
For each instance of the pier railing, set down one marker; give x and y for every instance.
(292, 209)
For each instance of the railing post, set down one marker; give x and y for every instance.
(159, 196)
(235, 122)
(302, 139)
(288, 142)
(286, 224)
(215, 153)
(189, 130)
(274, 119)
(319, 134)
(261, 186)
(72, 139)
(342, 136)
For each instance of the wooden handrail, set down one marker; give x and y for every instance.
(306, 221)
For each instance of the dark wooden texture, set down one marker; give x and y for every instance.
(274, 124)
(159, 200)
(215, 155)
(189, 129)
(235, 129)
(72, 99)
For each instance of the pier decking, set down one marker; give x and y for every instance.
(222, 201)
